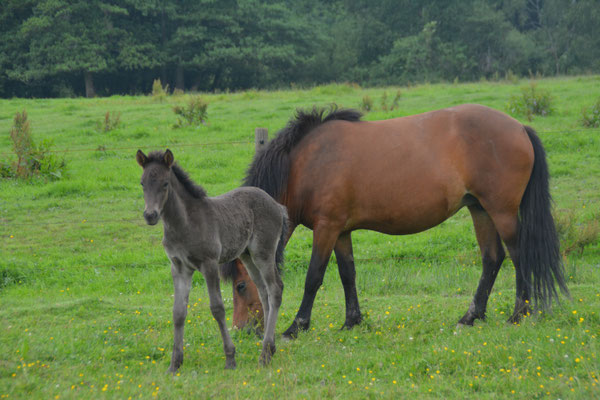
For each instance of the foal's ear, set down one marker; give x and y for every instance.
(168, 158)
(141, 158)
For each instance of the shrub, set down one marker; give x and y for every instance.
(590, 116)
(31, 159)
(367, 103)
(532, 101)
(110, 122)
(575, 236)
(396, 100)
(393, 105)
(384, 106)
(194, 113)
(511, 77)
(158, 92)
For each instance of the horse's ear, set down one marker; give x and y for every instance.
(168, 158)
(141, 158)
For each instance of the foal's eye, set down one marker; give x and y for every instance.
(165, 185)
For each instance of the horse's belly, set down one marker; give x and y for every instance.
(405, 213)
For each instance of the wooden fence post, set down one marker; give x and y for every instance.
(261, 137)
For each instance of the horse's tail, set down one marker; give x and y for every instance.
(539, 248)
(270, 167)
(282, 238)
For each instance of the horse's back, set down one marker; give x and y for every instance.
(406, 174)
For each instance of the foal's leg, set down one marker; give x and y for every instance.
(182, 283)
(264, 270)
(324, 238)
(210, 270)
(492, 255)
(345, 260)
(263, 294)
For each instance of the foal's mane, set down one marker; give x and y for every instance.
(270, 167)
(192, 188)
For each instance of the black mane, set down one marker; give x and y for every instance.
(270, 168)
(192, 188)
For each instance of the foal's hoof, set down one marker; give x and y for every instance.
(230, 364)
(267, 354)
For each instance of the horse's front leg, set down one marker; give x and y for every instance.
(210, 270)
(324, 238)
(182, 283)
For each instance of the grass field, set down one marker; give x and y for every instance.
(86, 293)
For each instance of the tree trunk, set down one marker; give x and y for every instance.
(89, 84)
(179, 78)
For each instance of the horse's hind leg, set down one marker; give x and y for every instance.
(211, 276)
(182, 283)
(492, 255)
(345, 260)
(508, 228)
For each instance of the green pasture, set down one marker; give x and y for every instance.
(86, 294)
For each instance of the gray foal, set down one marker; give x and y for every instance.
(201, 232)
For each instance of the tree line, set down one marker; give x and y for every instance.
(62, 48)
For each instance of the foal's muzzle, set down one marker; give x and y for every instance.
(151, 217)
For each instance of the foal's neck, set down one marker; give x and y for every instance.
(175, 213)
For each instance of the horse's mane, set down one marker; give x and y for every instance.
(270, 168)
(192, 188)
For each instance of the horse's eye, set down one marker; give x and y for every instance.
(241, 287)
(165, 185)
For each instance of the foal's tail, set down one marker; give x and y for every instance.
(539, 249)
(282, 238)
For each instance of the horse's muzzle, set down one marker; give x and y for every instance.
(151, 218)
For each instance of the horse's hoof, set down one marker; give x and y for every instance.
(230, 364)
(291, 333)
(350, 324)
(460, 326)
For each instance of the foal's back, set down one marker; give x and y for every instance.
(243, 218)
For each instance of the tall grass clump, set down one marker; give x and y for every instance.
(531, 102)
(194, 113)
(394, 103)
(590, 116)
(159, 93)
(367, 103)
(573, 235)
(32, 159)
(111, 121)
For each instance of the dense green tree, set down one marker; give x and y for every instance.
(76, 47)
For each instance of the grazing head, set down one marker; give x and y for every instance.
(247, 308)
(155, 182)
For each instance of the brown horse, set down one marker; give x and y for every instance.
(336, 174)
(247, 308)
